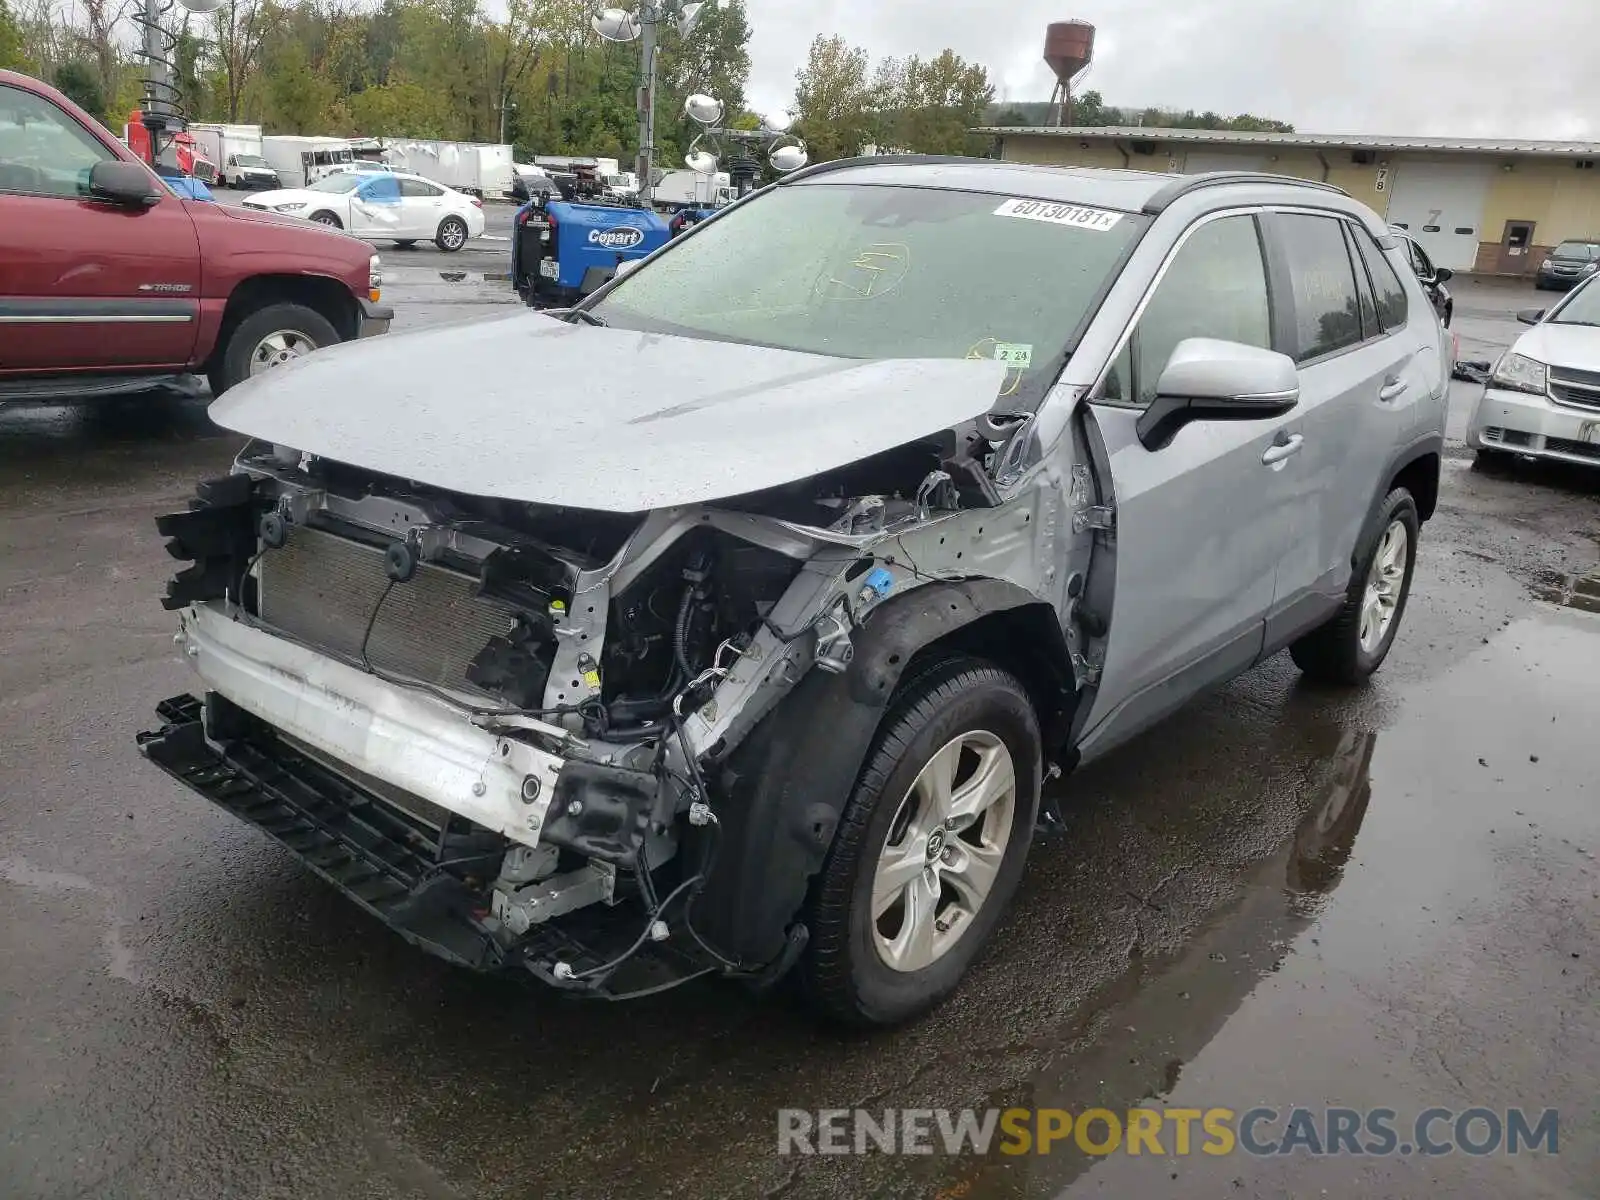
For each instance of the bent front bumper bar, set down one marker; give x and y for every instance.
(408, 739)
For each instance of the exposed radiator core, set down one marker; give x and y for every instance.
(322, 589)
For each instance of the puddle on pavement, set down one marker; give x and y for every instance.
(1438, 809)
(1569, 589)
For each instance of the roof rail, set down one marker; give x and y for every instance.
(879, 160)
(1178, 188)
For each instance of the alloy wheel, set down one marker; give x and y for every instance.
(1385, 580)
(943, 850)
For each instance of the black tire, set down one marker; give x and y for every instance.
(406, 243)
(843, 973)
(327, 218)
(1332, 653)
(1449, 313)
(452, 235)
(231, 363)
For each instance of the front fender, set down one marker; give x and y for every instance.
(783, 790)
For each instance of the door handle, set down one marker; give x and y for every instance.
(1392, 390)
(1279, 451)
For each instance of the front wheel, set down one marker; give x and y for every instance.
(1356, 639)
(327, 218)
(930, 847)
(452, 234)
(267, 339)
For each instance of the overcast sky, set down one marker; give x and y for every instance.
(1472, 68)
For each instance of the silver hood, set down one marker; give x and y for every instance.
(528, 408)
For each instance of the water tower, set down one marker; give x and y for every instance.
(1069, 51)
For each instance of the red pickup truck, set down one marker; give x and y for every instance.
(110, 282)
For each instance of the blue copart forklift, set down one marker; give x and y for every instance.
(562, 250)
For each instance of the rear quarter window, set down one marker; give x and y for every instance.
(1386, 285)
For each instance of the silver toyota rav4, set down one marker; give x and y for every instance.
(743, 640)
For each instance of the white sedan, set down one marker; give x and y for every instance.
(382, 207)
(1543, 397)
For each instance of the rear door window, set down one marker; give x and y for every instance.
(419, 189)
(1327, 307)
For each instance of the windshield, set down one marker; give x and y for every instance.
(864, 271)
(249, 160)
(343, 181)
(1583, 251)
(1582, 307)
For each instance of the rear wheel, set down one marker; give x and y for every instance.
(930, 847)
(269, 338)
(452, 234)
(327, 218)
(1356, 639)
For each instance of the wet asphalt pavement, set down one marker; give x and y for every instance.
(1282, 896)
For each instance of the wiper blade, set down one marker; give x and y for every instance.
(574, 315)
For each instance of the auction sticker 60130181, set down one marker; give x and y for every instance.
(1097, 219)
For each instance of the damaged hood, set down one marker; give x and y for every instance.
(529, 408)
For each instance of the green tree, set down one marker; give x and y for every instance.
(1010, 117)
(295, 98)
(79, 81)
(12, 54)
(237, 31)
(834, 99)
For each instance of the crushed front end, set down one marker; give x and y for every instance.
(506, 729)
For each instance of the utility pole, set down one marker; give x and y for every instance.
(646, 100)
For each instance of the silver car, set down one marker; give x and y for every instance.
(1543, 395)
(744, 641)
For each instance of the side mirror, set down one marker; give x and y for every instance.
(1443, 275)
(123, 183)
(1211, 380)
(1531, 316)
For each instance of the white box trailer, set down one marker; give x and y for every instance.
(236, 149)
(302, 160)
(475, 167)
(692, 189)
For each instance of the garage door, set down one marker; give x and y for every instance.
(1197, 161)
(1441, 204)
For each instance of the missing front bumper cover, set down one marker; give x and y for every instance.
(430, 886)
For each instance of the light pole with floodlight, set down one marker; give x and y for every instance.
(161, 111)
(620, 25)
(785, 152)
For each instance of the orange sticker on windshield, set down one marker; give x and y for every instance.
(1074, 215)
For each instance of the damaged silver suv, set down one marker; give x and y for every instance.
(742, 643)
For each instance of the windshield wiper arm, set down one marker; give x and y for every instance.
(574, 315)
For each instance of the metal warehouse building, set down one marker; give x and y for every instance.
(1492, 206)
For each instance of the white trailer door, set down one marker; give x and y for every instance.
(1440, 202)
